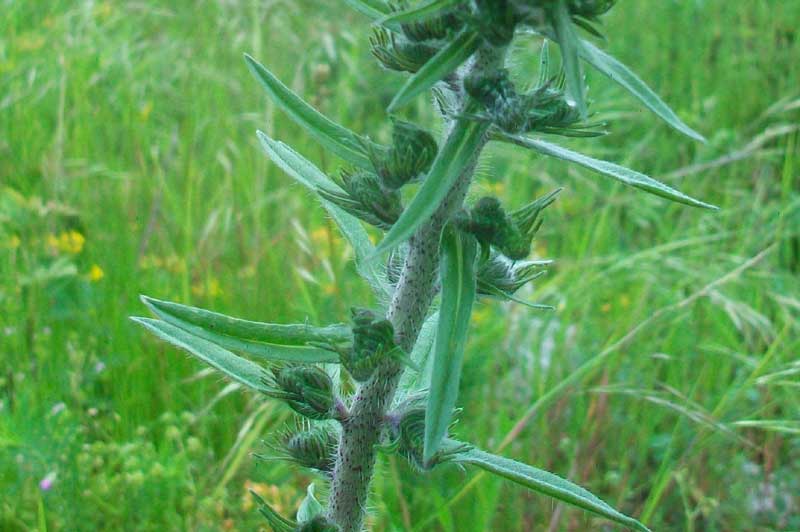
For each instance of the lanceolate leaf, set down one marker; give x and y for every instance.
(420, 356)
(374, 9)
(569, 42)
(420, 12)
(265, 350)
(274, 333)
(332, 136)
(457, 271)
(440, 65)
(614, 171)
(458, 153)
(547, 484)
(312, 177)
(235, 367)
(622, 75)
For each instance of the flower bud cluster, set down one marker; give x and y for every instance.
(319, 523)
(308, 390)
(314, 448)
(373, 342)
(363, 197)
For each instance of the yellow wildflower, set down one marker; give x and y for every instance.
(210, 288)
(103, 10)
(13, 242)
(95, 273)
(66, 242)
(320, 235)
(606, 308)
(624, 301)
(30, 42)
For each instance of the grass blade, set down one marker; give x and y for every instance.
(273, 333)
(312, 177)
(457, 271)
(331, 135)
(546, 483)
(443, 63)
(373, 9)
(623, 76)
(458, 153)
(570, 43)
(614, 171)
(237, 368)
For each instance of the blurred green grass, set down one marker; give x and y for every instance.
(128, 165)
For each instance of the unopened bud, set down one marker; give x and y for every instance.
(314, 448)
(308, 390)
(410, 156)
(318, 524)
(363, 197)
(373, 342)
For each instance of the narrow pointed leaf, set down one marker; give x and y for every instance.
(440, 65)
(547, 484)
(273, 333)
(417, 13)
(312, 177)
(373, 9)
(237, 368)
(569, 42)
(622, 75)
(614, 171)
(457, 271)
(331, 135)
(420, 355)
(455, 156)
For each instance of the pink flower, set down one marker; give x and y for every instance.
(47, 482)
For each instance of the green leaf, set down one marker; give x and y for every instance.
(420, 356)
(260, 349)
(614, 171)
(457, 272)
(312, 177)
(569, 42)
(310, 507)
(440, 65)
(623, 76)
(331, 135)
(460, 150)
(417, 13)
(239, 369)
(374, 9)
(547, 484)
(273, 333)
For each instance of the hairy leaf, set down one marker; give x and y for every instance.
(235, 367)
(312, 177)
(457, 271)
(547, 484)
(273, 333)
(260, 349)
(332, 136)
(417, 13)
(440, 65)
(420, 356)
(568, 41)
(620, 173)
(458, 153)
(623, 76)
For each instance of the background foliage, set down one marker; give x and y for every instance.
(666, 381)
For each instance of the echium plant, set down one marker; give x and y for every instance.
(402, 359)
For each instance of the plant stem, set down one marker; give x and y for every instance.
(416, 287)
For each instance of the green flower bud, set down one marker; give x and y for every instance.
(319, 524)
(496, 93)
(314, 448)
(308, 390)
(499, 274)
(398, 53)
(373, 342)
(407, 430)
(411, 155)
(435, 28)
(363, 197)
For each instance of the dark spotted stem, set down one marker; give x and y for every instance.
(355, 459)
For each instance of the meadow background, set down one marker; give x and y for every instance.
(666, 380)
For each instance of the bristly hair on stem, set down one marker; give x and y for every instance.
(434, 246)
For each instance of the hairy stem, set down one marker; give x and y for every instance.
(355, 460)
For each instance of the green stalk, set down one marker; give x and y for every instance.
(355, 460)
